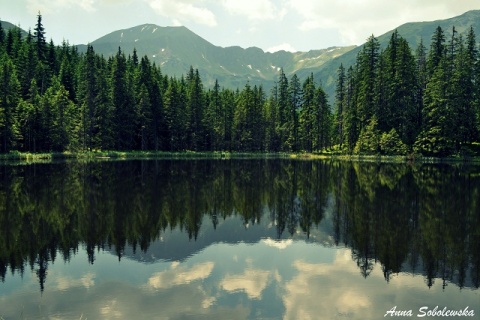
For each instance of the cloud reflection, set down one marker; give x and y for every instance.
(65, 283)
(252, 282)
(279, 244)
(180, 275)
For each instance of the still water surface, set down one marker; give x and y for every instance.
(237, 239)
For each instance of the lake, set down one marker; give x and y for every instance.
(238, 239)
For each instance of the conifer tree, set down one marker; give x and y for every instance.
(284, 116)
(340, 93)
(352, 123)
(367, 74)
(294, 103)
(123, 104)
(307, 117)
(421, 75)
(9, 99)
(195, 111)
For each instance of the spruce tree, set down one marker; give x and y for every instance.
(367, 62)
(340, 93)
(294, 103)
(9, 99)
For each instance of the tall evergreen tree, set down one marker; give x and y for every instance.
(422, 76)
(284, 116)
(123, 104)
(367, 61)
(437, 50)
(40, 39)
(294, 104)
(308, 118)
(433, 139)
(195, 110)
(352, 122)
(9, 99)
(340, 94)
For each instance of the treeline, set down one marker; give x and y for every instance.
(53, 98)
(393, 101)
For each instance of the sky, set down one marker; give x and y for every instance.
(272, 25)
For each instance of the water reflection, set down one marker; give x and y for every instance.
(391, 220)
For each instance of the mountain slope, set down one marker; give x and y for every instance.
(175, 49)
(413, 32)
(7, 26)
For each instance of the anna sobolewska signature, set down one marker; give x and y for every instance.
(427, 312)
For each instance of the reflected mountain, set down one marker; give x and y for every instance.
(420, 219)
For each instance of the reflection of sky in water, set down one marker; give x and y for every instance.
(269, 279)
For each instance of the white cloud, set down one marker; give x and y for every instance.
(183, 10)
(256, 10)
(284, 46)
(356, 20)
(54, 6)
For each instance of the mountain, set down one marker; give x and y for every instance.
(413, 32)
(175, 49)
(7, 25)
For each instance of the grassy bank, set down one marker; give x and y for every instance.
(104, 155)
(124, 155)
(385, 159)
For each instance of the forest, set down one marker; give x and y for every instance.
(391, 101)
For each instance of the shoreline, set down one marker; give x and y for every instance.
(192, 155)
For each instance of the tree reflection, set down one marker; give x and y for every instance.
(423, 218)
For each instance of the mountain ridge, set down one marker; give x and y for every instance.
(175, 49)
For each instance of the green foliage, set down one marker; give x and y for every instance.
(369, 140)
(391, 144)
(429, 101)
(433, 143)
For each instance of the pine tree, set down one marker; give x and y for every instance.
(401, 93)
(284, 116)
(26, 65)
(367, 62)
(123, 104)
(103, 119)
(62, 114)
(462, 90)
(195, 110)
(9, 99)
(421, 75)
(437, 50)
(216, 118)
(433, 140)
(323, 120)
(242, 121)
(307, 115)
(340, 93)
(294, 103)
(89, 92)
(352, 123)
(272, 139)
(40, 40)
